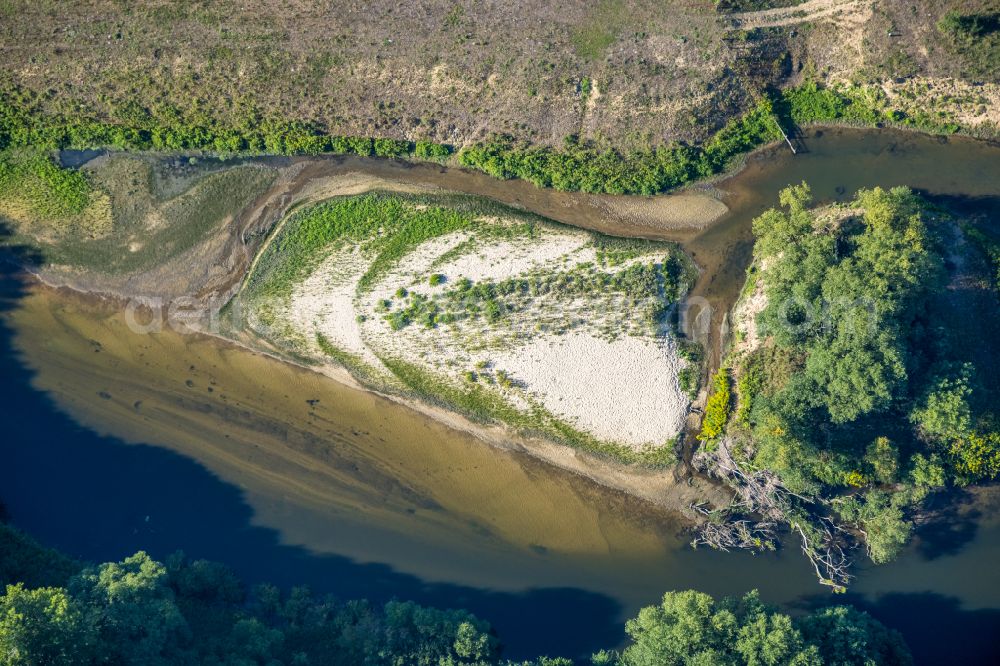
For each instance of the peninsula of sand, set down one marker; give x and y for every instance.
(502, 316)
(436, 288)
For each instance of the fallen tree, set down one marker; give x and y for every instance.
(761, 504)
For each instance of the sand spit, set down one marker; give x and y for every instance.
(325, 303)
(668, 211)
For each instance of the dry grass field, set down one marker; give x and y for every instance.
(625, 72)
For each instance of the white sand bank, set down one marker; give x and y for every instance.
(625, 391)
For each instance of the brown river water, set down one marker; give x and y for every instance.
(116, 442)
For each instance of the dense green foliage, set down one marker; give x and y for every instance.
(854, 388)
(141, 611)
(691, 628)
(849, 315)
(49, 191)
(717, 407)
(137, 129)
(583, 166)
(881, 515)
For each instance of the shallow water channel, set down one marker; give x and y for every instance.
(115, 442)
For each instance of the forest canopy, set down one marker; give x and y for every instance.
(867, 386)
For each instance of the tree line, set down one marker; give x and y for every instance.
(54, 610)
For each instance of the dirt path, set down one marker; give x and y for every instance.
(813, 10)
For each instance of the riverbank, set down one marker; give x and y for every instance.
(301, 182)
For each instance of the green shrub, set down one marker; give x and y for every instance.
(429, 150)
(688, 380)
(977, 456)
(717, 407)
(391, 147)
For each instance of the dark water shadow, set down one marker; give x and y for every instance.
(99, 499)
(984, 207)
(952, 524)
(936, 627)
(74, 159)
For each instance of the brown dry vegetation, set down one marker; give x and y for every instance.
(631, 72)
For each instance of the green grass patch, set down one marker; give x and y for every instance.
(606, 21)
(110, 217)
(386, 227)
(49, 190)
(188, 218)
(352, 362)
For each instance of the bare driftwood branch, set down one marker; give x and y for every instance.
(761, 494)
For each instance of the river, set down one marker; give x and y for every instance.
(116, 442)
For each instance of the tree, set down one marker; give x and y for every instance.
(846, 636)
(843, 295)
(927, 471)
(43, 626)
(977, 456)
(23, 560)
(880, 517)
(132, 608)
(883, 456)
(204, 580)
(419, 635)
(691, 628)
(945, 415)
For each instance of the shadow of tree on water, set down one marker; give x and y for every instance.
(952, 523)
(935, 626)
